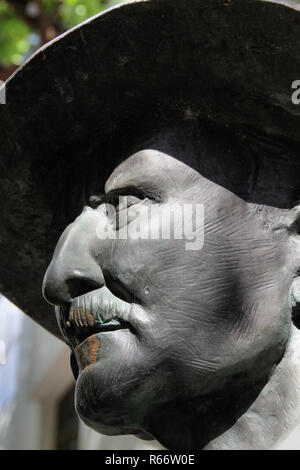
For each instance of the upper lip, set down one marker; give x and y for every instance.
(97, 311)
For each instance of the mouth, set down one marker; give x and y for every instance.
(95, 312)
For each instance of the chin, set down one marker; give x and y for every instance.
(109, 406)
(117, 384)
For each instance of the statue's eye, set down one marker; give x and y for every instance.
(124, 198)
(127, 201)
(118, 200)
(125, 207)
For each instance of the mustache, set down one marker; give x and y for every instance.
(100, 311)
(97, 308)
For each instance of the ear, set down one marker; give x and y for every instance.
(295, 298)
(294, 230)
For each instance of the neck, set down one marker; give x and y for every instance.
(274, 413)
(254, 418)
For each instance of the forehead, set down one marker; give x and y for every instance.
(178, 148)
(149, 167)
(165, 158)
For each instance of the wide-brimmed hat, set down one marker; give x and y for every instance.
(228, 61)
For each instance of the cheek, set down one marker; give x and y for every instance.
(265, 319)
(224, 286)
(146, 266)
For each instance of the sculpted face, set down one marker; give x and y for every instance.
(167, 338)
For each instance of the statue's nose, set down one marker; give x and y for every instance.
(73, 271)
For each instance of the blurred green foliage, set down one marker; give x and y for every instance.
(18, 39)
(75, 11)
(14, 34)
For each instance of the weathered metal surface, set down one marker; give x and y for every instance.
(186, 101)
(232, 62)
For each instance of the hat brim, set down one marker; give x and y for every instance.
(231, 61)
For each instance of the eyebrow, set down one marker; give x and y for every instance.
(110, 196)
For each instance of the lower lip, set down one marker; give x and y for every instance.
(87, 353)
